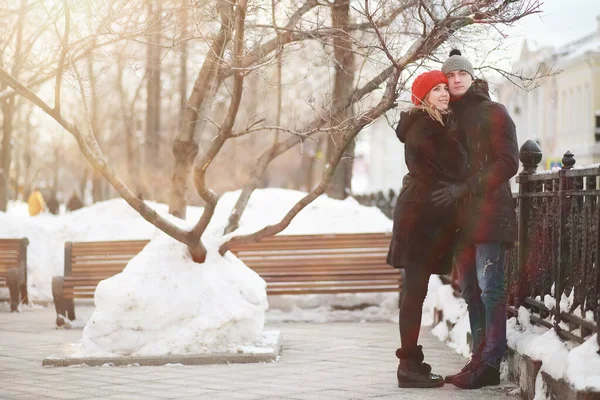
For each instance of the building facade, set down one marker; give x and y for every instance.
(560, 109)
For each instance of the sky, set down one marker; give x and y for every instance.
(560, 22)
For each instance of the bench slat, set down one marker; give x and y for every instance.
(290, 264)
(10, 257)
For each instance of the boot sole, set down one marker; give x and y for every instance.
(475, 387)
(421, 385)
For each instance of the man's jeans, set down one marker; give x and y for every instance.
(481, 278)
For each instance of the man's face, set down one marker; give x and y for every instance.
(459, 82)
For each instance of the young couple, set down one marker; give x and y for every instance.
(455, 208)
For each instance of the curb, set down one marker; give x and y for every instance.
(266, 353)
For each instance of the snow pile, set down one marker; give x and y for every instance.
(323, 215)
(164, 303)
(583, 365)
(116, 220)
(579, 365)
(454, 326)
(43, 259)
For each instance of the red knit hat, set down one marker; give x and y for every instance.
(424, 83)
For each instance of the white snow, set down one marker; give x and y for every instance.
(162, 302)
(579, 365)
(116, 220)
(454, 327)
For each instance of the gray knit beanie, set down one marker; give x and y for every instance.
(457, 62)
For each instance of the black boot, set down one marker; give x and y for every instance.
(482, 375)
(413, 372)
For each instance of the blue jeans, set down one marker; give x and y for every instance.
(480, 270)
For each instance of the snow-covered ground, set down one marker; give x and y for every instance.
(579, 365)
(116, 220)
(160, 303)
(163, 303)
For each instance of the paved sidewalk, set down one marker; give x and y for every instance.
(319, 361)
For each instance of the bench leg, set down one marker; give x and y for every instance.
(23, 286)
(13, 280)
(59, 300)
(24, 294)
(70, 303)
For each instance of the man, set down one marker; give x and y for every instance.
(486, 217)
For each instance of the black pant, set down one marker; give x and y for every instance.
(414, 291)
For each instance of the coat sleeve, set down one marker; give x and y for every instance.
(505, 151)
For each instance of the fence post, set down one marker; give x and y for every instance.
(564, 207)
(597, 291)
(530, 155)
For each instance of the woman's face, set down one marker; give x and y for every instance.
(439, 96)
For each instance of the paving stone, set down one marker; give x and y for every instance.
(318, 361)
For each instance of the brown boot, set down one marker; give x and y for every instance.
(483, 375)
(472, 364)
(413, 372)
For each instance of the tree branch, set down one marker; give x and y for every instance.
(225, 132)
(98, 162)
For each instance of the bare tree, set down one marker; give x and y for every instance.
(395, 38)
(343, 84)
(8, 110)
(153, 71)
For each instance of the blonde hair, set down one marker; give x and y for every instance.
(435, 113)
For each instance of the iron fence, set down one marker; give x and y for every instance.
(553, 268)
(384, 201)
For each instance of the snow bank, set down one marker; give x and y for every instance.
(116, 220)
(43, 260)
(579, 365)
(454, 326)
(583, 365)
(164, 303)
(323, 215)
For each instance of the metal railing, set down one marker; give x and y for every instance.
(553, 270)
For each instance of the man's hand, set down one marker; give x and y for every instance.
(450, 194)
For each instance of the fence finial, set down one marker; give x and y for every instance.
(568, 160)
(530, 155)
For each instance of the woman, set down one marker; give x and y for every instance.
(424, 235)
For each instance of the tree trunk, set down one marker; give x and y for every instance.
(129, 124)
(8, 111)
(183, 55)
(26, 150)
(83, 184)
(97, 193)
(18, 167)
(339, 187)
(185, 154)
(196, 111)
(7, 131)
(153, 62)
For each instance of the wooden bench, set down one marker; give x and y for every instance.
(294, 264)
(13, 270)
